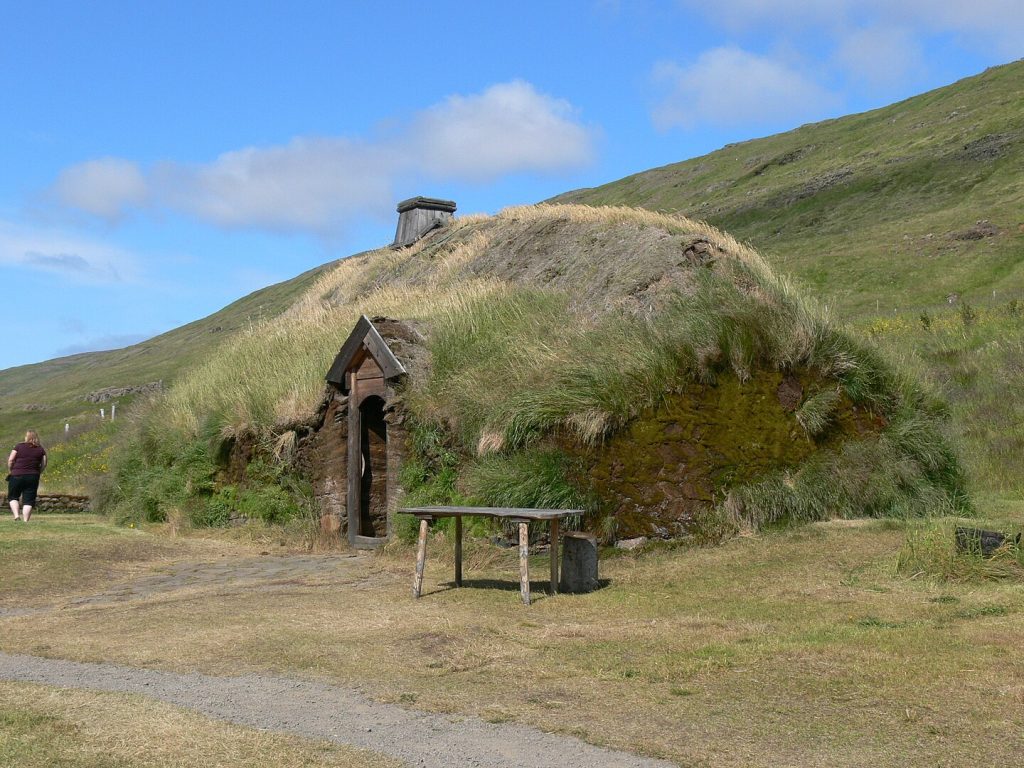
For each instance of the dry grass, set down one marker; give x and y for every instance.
(285, 358)
(930, 551)
(42, 726)
(57, 556)
(792, 648)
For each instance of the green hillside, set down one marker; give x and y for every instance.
(894, 208)
(44, 395)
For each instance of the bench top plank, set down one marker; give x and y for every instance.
(506, 512)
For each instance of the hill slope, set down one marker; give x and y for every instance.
(878, 210)
(893, 208)
(43, 395)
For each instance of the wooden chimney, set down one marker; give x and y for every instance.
(419, 215)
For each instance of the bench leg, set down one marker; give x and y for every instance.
(421, 560)
(554, 556)
(458, 551)
(524, 562)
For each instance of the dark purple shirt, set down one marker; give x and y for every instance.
(29, 459)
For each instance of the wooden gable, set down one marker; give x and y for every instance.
(364, 351)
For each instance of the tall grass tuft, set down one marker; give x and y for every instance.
(818, 412)
(534, 478)
(929, 550)
(868, 477)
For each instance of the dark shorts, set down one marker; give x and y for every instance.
(23, 487)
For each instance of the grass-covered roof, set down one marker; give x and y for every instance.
(551, 331)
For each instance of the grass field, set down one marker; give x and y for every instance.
(793, 647)
(42, 727)
(973, 356)
(806, 646)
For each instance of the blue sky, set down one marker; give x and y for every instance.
(159, 160)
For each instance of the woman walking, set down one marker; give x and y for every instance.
(26, 462)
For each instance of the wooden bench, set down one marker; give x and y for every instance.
(523, 517)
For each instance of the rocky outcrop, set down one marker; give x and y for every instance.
(110, 393)
(981, 229)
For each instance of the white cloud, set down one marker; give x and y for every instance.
(507, 129)
(103, 187)
(995, 23)
(742, 15)
(309, 184)
(76, 259)
(321, 184)
(896, 29)
(881, 57)
(730, 86)
(1000, 22)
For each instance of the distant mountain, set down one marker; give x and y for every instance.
(897, 207)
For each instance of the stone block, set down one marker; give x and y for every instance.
(579, 563)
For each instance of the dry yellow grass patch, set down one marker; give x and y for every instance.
(798, 648)
(43, 726)
(56, 557)
(285, 358)
(621, 214)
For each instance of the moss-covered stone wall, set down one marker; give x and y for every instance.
(674, 462)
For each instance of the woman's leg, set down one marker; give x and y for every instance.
(28, 495)
(14, 508)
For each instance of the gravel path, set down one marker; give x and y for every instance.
(326, 712)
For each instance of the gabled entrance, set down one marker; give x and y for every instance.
(365, 369)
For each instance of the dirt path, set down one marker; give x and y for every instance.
(330, 713)
(265, 573)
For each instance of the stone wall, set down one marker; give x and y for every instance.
(323, 458)
(58, 503)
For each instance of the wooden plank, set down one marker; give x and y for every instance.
(389, 364)
(458, 551)
(354, 459)
(502, 512)
(421, 559)
(524, 562)
(554, 556)
(343, 361)
(364, 337)
(369, 387)
(368, 369)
